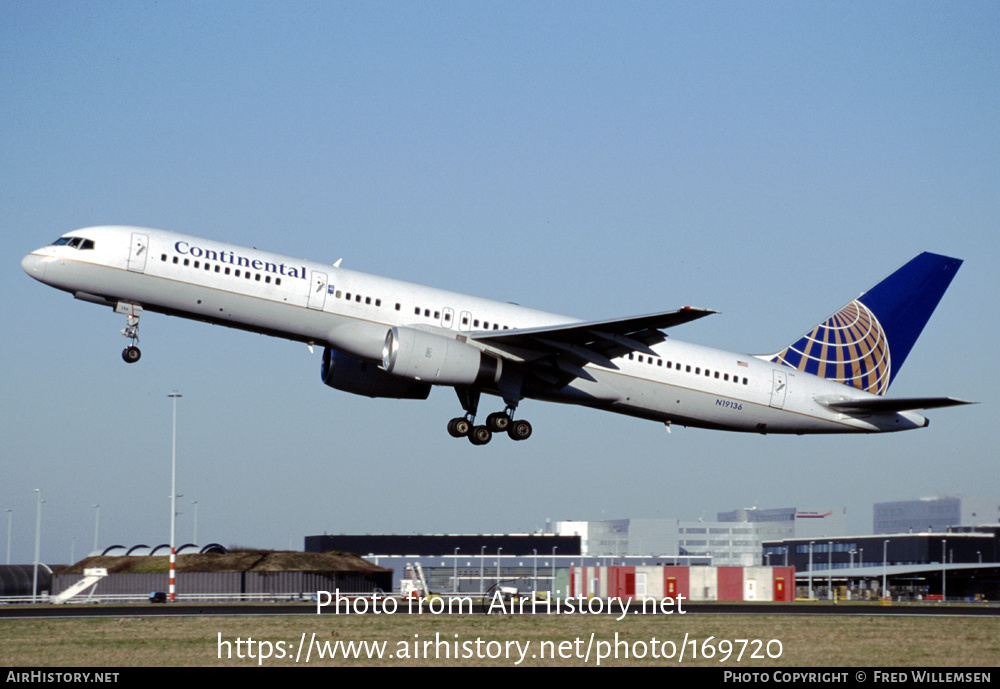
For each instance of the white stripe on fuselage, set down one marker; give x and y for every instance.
(272, 296)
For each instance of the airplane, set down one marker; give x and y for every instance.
(392, 339)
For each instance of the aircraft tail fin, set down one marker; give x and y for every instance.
(865, 343)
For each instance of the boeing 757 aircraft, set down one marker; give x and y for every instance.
(387, 338)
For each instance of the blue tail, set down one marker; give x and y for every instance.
(865, 343)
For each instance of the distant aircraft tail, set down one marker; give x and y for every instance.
(865, 343)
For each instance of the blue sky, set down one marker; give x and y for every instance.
(769, 160)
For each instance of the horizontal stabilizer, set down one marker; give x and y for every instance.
(874, 405)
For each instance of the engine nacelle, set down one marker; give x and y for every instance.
(436, 359)
(346, 373)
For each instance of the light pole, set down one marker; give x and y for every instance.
(10, 518)
(482, 556)
(454, 574)
(173, 498)
(829, 571)
(944, 570)
(534, 573)
(850, 579)
(195, 539)
(554, 549)
(498, 568)
(38, 544)
(97, 521)
(885, 561)
(811, 569)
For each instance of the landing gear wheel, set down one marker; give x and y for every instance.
(498, 422)
(131, 354)
(480, 435)
(459, 427)
(519, 430)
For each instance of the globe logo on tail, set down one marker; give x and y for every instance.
(849, 347)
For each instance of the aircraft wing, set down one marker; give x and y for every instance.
(876, 405)
(570, 346)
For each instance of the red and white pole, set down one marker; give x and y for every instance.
(173, 499)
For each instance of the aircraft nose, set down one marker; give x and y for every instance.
(34, 265)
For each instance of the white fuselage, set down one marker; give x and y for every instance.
(351, 312)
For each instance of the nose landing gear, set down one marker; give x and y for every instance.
(130, 354)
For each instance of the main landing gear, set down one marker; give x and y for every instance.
(498, 422)
(131, 353)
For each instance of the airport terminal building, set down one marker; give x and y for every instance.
(734, 540)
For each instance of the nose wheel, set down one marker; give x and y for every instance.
(130, 354)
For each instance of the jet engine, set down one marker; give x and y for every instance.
(436, 359)
(346, 373)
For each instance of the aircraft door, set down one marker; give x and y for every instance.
(137, 254)
(317, 291)
(779, 388)
(465, 321)
(448, 317)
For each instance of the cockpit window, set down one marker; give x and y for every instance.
(74, 242)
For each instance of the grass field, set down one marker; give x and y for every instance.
(467, 640)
